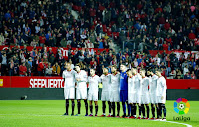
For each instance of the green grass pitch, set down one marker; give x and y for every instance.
(48, 113)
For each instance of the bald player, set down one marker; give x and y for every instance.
(69, 87)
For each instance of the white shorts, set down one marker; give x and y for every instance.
(153, 98)
(81, 93)
(69, 93)
(133, 98)
(93, 96)
(114, 96)
(144, 99)
(105, 96)
(159, 100)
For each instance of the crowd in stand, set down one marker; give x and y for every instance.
(146, 24)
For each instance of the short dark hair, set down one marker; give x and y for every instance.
(128, 70)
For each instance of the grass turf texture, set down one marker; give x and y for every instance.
(49, 113)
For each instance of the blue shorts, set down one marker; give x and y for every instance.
(123, 95)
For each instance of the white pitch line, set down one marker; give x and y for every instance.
(188, 125)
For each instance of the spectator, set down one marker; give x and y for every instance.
(22, 70)
(56, 69)
(42, 40)
(40, 68)
(49, 69)
(11, 68)
(185, 70)
(187, 75)
(4, 64)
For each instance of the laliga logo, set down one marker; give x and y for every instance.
(181, 106)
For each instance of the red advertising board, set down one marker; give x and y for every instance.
(58, 82)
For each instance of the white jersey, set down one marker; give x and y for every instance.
(82, 75)
(93, 83)
(144, 86)
(131, 85)
(115, 82)
(161, 86)
(153, 84)
(69, 77)
(106, 82)
(137, 82)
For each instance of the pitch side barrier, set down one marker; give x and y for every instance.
(35, 87)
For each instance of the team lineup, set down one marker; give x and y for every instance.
(133, 89)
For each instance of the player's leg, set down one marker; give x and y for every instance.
(73, 106)
(78, 97)
(67, 106)
(78, 105)
(143, 111)
(124, 109)
(103, 108)
(157, 110)
(164, 110)
(147, 110)
(140, 111)
(153, 110)
(91, 108)
(118, 109)
(113, 108)
(160, 111)
(86, 106)
(134, 109)
(96, 108)
(123, 99)
(129, 109)
(109, 104)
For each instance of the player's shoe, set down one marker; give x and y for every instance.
(139, 117)
(91, 115)
(103, 115)
(117, 116)
(72, 114)
(153, 118)
(86, 115)
(164, 119)
(95, 115)
(113, 116)
(123, 116)
(159, 119)
(109, 115)
(65, 114)
(132, 117)
(127, 117)
(77, 115)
